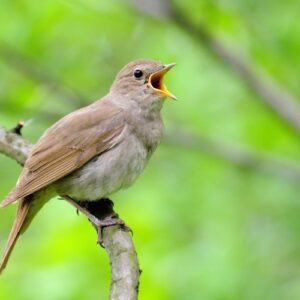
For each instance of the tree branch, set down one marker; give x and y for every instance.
(237, 155)
(14, 145)
(275, 97)
(117, 242)
(271, 94)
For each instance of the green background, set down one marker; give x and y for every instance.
(204, 227)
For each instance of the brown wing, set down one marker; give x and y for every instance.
(68, 145)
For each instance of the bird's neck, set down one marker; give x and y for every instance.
(148, 107)
(143, 117)
(147, 126)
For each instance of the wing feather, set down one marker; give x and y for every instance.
(56, 169)
(66, 146)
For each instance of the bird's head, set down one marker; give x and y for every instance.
(142, 81)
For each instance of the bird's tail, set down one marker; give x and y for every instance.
(18, 226)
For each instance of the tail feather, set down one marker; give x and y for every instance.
(23, 209)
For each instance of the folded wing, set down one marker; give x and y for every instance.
(68, 145)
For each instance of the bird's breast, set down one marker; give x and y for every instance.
(108, 172)
(149, 132)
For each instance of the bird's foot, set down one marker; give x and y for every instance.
(100, 213)
(110, 220)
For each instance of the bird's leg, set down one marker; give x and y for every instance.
(82, 209)
(100, 213)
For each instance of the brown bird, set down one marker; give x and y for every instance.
(96, 150)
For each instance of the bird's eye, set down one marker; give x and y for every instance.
(138, 74)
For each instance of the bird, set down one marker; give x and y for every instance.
(96, 150)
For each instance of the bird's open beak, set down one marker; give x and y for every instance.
(157, 83)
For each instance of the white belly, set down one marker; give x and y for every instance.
(107, 173)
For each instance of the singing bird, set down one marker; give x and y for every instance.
(96, 150)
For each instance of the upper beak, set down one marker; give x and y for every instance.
(156, 81)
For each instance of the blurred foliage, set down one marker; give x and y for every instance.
(203, 228)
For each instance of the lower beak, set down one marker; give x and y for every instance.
(156, 81)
